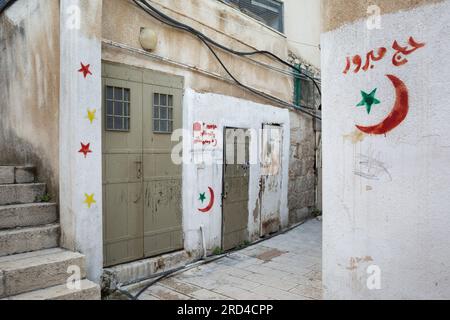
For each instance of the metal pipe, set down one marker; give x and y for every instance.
(202, 230)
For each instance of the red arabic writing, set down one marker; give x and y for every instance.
(398, 59)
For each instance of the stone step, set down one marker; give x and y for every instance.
(25, 174)
(17, 174)
(21, 193)
(88, 291)
(14, 241)
(6, 175)
(26, 272)
(27, 215)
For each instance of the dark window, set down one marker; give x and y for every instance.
(162, 113)
(117, 109)
(269, 12)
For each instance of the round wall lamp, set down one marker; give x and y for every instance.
(148, 39)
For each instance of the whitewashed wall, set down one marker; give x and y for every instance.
(302, 29)
(80, 175)
(387, 197)
(225, 111)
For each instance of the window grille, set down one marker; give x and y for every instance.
(117, 109)
(269, 12)
(162, 113)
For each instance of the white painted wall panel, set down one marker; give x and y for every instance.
(225, 111)
(387, 197)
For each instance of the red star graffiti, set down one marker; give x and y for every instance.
(85, 149)
(85, 70)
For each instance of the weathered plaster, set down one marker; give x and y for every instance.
(386, 197)
(336, 13)
(302, 29)
(216, 20)
(29, 88)
(81, 176)
(225, 111)
(225, 26)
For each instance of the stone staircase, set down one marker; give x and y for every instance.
(32, 267)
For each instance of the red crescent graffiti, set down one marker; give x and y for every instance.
(398, 113)
(211, 201)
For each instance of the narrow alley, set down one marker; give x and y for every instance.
(286, 267)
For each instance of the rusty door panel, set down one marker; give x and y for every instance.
(235, 188)
(271, 180)
(122, 183)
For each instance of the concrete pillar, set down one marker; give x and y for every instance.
(80, 131)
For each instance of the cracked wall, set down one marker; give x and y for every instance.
(29, 88)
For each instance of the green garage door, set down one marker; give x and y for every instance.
(141, 185)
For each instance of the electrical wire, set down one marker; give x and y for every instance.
(240, 53)
(207, 41)
(277, 34)
(283, 71)
(199, 262)
(257, 92)
(180, 64)
(6, 5)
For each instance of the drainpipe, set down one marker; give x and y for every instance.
(202, 230)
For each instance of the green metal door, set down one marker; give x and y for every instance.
(141, 185)
(162, 178)
(235, 188)
(122, 171)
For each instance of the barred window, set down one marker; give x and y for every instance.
(269, 12)
(117, 109)
(162, 113)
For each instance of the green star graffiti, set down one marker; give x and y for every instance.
(202, 197)
(368, 100)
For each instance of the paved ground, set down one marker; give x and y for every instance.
(286, 267)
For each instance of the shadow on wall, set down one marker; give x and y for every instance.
(18, 152)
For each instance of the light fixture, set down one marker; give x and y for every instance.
(148, 39)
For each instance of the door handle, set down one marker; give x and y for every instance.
(138, 169)
(137, 199)
(225, 191)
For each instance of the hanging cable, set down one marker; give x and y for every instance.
(207, 41)
(6, 4)
(239, 53)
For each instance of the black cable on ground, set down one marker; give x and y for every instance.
(160, 276)
(207, 41)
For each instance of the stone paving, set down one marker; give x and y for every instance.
(286, 267)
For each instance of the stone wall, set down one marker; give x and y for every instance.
(305, 151)
(302, 178)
